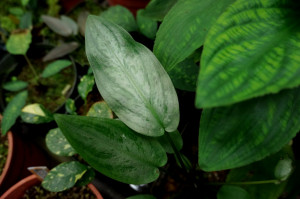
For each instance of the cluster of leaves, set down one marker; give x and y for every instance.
(247, 88)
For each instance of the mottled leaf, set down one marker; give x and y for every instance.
(120, 16)
(113, 149)
(85, 86)
(14, 86)
(252, 50)
(57, 25)
(157, 9)
(71, 23)
(60, 51)
(64, 176)
(229, 192)
(184, 28)
(176, 139)
(55, 67)
(240, 134)
(26, 21)
(283, 169)
(261, 171)
(130, 79)
(58, 144)
(147, 26)
(70, 106)
(87, 177)
(100, 109)
(36, 114)
(13, 111)
(19, 42)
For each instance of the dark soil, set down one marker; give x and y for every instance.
(49, 91)
(38, 192)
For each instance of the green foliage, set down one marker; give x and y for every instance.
(176, 139)
(117, 151)
(229, 192)
(100, 109)
(58, 144)
(85, 86)
(18, 42)
(13, 111)
(70, 106)
(14, 86)
(283, 169)
(36, 114)
(64, 176)
(240, 134)
(157, 9)
(127, 70)
(58, 26)
(121, 16)
(7, 23)
(147, 26)
(252, 50)
(55, 67)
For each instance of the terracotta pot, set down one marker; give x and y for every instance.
(18, 190)
(21, 154)
(132, 5)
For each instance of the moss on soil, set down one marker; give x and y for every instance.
(38, 192)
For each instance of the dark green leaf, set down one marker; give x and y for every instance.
(100, 109)
(18, 42)
(252, 50)
(36, 114)
(58, 144)
(157, 9)
(55, 67)
(120, 16)
(113, 149)
(230, 192)
(176, 139)
(184, 75)
(26, 20)
(147, 26)
(240, 134)
(64, 176)
(24, 2)
(131, 79)
(85, 86)
(184, 28)
(17, 11)
(15, 85)
(261, 171)
(70, 106)
(13, 111)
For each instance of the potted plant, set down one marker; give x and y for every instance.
(23, 187)
(247, 115)
(20, 154)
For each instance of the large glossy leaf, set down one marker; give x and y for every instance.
(19, 42)
(252, 50)
(157, 9)
(113, 149)
(121, 16)
(261, 171)
(13, 111)
(64, 176)
(131, 79)
(240, 134)
(184, 28)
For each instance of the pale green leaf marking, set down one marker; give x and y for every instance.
(100, 109)
(131, 79)
(36, 114)
(85, 86)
